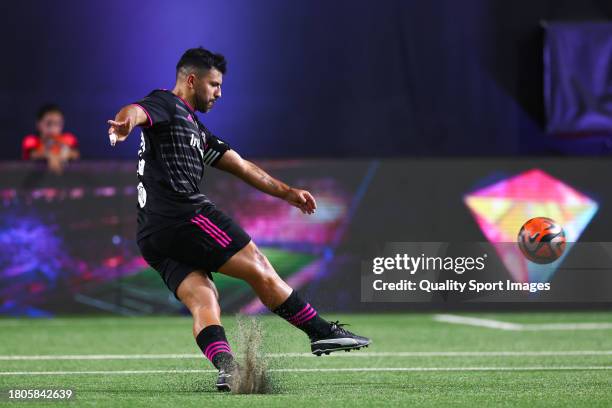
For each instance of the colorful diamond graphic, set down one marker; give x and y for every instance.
(501, 209)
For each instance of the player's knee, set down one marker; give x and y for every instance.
(262, 263)
(265, 276)
(261, 259)
(216, 292)
(269, 280)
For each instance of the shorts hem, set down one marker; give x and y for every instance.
(214, 267)
(228, 254)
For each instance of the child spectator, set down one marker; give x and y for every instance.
(50, 142)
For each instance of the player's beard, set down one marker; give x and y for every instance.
(199, 104)
(203, 104)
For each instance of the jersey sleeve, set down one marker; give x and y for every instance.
(157, 107)
(214, 149)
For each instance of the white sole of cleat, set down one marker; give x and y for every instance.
(341, 341)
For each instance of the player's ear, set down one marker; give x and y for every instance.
(191, 79)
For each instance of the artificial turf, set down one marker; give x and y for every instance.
(378, 376)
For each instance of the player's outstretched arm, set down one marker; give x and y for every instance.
(126, 119)
(258, 178)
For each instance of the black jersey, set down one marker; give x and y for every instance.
(174, 149)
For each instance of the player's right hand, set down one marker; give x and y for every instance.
(119, 130)
(301, 199)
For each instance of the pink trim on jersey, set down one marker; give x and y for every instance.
(147, 113)
(185, 102)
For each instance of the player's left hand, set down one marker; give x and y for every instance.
(301, 199)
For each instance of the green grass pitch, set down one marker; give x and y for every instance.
(413, 361)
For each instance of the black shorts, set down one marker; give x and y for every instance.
(204, 242)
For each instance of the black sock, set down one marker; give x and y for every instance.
(213, 343)
(303, 316)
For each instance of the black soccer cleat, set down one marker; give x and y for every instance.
(338, 339)
(227, 376)
(224, 381)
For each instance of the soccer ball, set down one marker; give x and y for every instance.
(541, 240)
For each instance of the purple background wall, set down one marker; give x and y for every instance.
(307, 79)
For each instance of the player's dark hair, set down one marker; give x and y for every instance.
(202, 60)
(47, 108)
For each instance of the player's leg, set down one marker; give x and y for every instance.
(252, 266)
(212, 241)
(194, 287)
(199, 294)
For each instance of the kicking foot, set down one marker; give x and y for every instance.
(226, 377)
(338, 339)
(224, 381)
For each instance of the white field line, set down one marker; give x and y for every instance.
(308, 355)
(318, 370)
(475, 321)
(567, 326)
(496, 324)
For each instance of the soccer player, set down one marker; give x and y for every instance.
(185, 237)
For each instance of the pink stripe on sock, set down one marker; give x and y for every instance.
(306, 318)
(211, 227)
(215, 227)
(214, 344)
(300, 313)
(211, 348)
(208, 231)
(297, 319)
(217, 351)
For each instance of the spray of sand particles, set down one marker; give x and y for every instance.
(252, 377)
